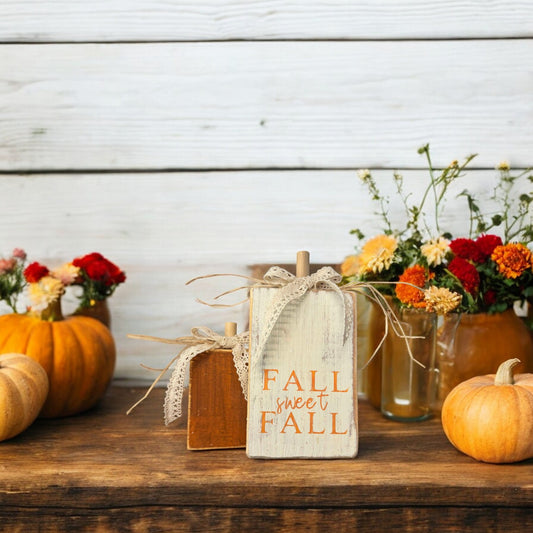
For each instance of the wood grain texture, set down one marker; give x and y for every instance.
(264, 104)
(127, 20)
(217, 408)
(108, 470)
(302, 399)
(164, 229)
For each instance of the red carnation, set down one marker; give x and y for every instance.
(98, 268)
(490, 297)
(486, 245)
(466, 273)
(34, 272)
(467, 249)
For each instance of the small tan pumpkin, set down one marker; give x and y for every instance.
(23, 391)
(490, 418)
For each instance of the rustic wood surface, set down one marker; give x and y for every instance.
(105, 471)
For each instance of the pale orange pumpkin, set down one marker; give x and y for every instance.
(490, 418)
(23, 391)
(77, 353)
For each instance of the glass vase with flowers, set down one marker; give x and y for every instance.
(403, 264)
(492, 270)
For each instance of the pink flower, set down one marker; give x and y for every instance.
(19, 253)
(7, 265)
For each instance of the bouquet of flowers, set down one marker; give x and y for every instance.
(480, 273)
(46, 287)
(490, 272)
(12, 280)
(97, 276)
(408, 260)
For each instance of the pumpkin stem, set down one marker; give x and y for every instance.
(52, 313)
(504, 375)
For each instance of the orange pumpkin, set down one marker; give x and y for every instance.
(23, 391)
(77, 353)
(490, 417)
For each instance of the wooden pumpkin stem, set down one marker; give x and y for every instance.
(230, 329)
(504, 375)
(302, 264)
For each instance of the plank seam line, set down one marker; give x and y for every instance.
(264, 40)
(177, 170)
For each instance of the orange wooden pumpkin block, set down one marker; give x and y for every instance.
(217, 407)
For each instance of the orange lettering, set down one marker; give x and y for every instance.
(287, 403)
(294, 424)
(334, 425)
(264, 420)
(323, 401)
(313, 384)
(293, 380)
(335, 376)
(267, 378)
(311, 429)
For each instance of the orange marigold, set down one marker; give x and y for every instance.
(513, 259)
(407, 294)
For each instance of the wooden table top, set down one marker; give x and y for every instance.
(106, 471)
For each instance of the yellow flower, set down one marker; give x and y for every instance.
(377, 254)
(44, 292)
(350, 266)
(441, 300)
(435, 250)
(503, 165)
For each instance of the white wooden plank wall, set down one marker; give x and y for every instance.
(185, 138)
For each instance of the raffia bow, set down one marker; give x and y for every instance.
(202, 339)
(325, 278)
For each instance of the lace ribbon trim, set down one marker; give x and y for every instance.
(202, 339)
(292, 288)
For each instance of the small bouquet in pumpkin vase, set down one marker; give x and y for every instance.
(98, 278)
(493, 274)
(77, 352)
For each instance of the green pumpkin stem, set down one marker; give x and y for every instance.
(504, 375)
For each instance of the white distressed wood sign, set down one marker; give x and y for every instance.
(302, 400)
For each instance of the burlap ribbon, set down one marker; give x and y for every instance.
(202, 339)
